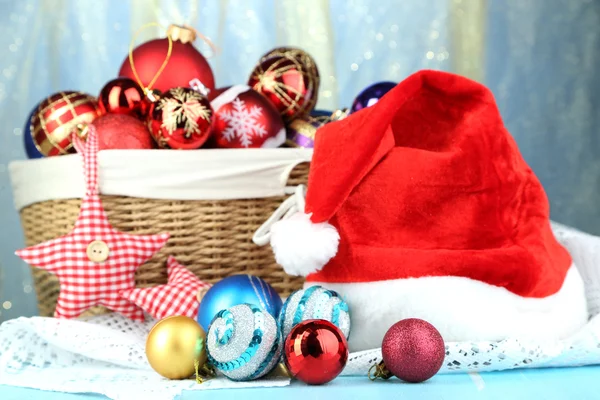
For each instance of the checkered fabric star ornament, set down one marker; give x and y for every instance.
(179, 296)
(94, 262)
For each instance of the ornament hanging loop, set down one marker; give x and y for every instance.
(215, 50)
(379, 371)
(339, 114)
(148, 88)
(206, 372)
(82, 131)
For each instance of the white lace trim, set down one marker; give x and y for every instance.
(105, 354)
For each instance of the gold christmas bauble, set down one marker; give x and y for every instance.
(174, 345)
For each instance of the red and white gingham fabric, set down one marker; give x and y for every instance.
(177, 297)
(85, 283)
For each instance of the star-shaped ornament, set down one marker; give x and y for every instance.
(94, 262)
(179, 296)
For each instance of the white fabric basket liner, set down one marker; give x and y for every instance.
(212, 174)
(105, 354)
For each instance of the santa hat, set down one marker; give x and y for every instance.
(422, 206)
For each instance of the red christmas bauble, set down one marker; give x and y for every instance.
(180, 119)
(244, 118)
(119, 131)
(57, 117)
(123, 96)
(213, 94)
(315, 351)
(289, 78)
(413, 350)
(185, 63)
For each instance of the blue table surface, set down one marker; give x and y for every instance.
(554, 383)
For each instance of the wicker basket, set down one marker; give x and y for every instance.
(213, 238)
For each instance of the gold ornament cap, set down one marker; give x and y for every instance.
(181, 34)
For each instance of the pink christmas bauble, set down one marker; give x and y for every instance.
(413, 350)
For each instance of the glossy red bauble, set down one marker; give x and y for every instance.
(315, 351)
(180, 119)
(244, 118)
(289, 78)
(184, 65)
(413, 350)
(122, 96)
(118, 131)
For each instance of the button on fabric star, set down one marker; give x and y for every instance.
(94, 262)
(97, 251)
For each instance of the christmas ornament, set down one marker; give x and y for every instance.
(315, 351)
(315, 302)
(289, 78)
(176, 347)
(243, 118)
(371, 95)
(244, 342)
(123, 96)
(234, 290)
(116, 131)
(177, 297)
(30, 148)
(180, 119)
(339, 114)
(301, 131)
(94, 262)
(216, 93)
(57, 117)
(168, 63)
(321, 113)
(413, 350)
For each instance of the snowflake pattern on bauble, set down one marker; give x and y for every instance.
(183, 107)
(243, 123)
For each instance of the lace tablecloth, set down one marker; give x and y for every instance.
(105, 354)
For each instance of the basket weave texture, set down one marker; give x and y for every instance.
(212, 238)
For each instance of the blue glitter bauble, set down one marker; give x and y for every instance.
(30, 149)
(315, 302)
(371, 95)
(234, 290)
(244, 343)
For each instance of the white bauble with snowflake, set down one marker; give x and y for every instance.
(243, 118)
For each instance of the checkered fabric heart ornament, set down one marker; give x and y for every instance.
(179, 296)
(94, 262)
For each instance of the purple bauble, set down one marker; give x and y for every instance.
(371, 95)
(301, 131)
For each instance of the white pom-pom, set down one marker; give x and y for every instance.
(302, 247)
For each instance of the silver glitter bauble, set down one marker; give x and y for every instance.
(244, 343)
(315, 302)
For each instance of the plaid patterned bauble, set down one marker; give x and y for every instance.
(179, 296)
(94, 262)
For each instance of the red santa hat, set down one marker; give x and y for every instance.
(422, 206)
